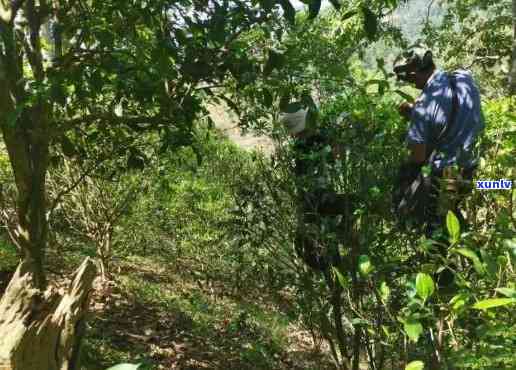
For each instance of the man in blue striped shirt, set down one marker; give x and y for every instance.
(440, 134)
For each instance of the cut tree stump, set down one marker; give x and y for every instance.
(43, 330)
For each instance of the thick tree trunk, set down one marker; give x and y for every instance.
(512, 75)
(42, 331)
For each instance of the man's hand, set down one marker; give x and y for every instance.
(405, 109)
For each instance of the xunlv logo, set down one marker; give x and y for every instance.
(494, 184)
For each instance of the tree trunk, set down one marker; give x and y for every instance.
(39, 329)
(44, 329)
(512, 76)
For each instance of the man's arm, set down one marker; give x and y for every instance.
(417, 153)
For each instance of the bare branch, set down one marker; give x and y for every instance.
(481, 60)
(427, 21)
(76, 183)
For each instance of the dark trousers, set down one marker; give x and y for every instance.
(314, 206)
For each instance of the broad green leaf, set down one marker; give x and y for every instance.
(365, 267)
(424, 286)
(508, 292)
(413, 328)
(468, 253)
(349, 14)
(386, 330)
(458, 301)
(370, 23)
(453, 226)
(493, 302)
(313, 8)
(342, 280)
(415, 365)
(125, 367)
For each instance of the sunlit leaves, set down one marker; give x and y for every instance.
(125, 367)
(424, 286)
(458, 301)
(348, 14)
(405, 96)
(413, 329)
(365, 267)
(385, 292)
(471, 255)
(340, 278)
(415, 365)
(453, 226)
(493, 302)
(508, 292)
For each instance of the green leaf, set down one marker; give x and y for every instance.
(424, 286)
(493, 302)
(413, 328)
(415, 365)
(508, 292)
(370, 23)
(404, 95)
(288, 11)
(313, 8)
(365, 267)
(453, 226)
(342, 280)
(511, 245)
(468, 253)
(458, 301)
(385, 292)
(125, 367)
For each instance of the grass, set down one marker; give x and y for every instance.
(165, 318)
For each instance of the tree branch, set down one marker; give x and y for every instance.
(427, 21)
(76, 183)
(131, 121)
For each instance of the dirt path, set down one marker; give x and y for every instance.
(227, 123)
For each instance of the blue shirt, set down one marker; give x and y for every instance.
(432, 111)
